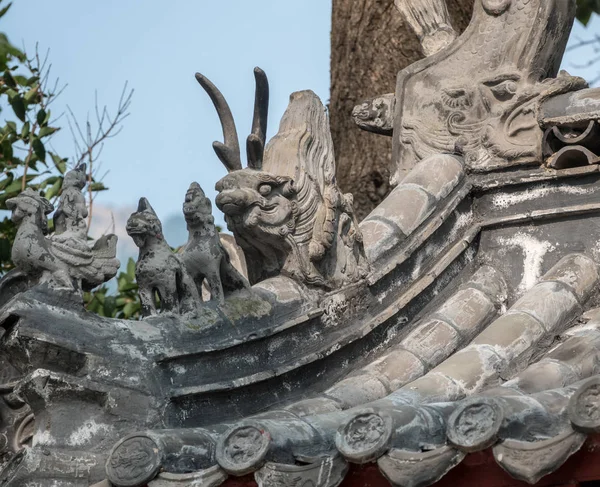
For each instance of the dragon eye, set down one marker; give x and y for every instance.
(503, 87)
(264, 189)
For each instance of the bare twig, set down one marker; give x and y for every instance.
(90, 143)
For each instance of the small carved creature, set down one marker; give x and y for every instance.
(71, 213)
(159, 272)
(71, 263)
(204, 256)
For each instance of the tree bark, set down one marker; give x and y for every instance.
(370, 43)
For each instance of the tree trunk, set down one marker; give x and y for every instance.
(370, 43)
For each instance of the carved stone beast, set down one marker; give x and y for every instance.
(204, 256)
(286, 209)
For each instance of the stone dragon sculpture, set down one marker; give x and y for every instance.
(475, 327)
(285, 209)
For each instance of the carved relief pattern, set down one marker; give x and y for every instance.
(133, 462)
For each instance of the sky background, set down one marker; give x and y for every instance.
(157, 47)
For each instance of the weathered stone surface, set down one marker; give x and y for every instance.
(325, 350)
(418, 469)
(366, 436)
(204, 257)
(559, 305)
(211, 477)
(432, 341)
(530, 461)
(416, 204)
(397, 367)
(328, 472)
(584, 407)
(285, 209)
(475, 424)
(358, 390)
(577, 271)
(438, 175)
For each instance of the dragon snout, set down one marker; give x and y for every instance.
(236, 201)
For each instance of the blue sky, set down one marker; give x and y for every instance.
(157, 47)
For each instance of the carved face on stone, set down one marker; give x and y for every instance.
(480, 95)
(30, 204)
(257, 202)
(144, 224)
(197, 209)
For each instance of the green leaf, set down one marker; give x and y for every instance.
(21, 80)
(54, 189)
(12, 126)
(46, 131)
(9, 80)
(32, 93)
(7, 151)
(131, 268)
(6, 181)
(33, 80)
(41, 117)
(130, 309)
(4, 10)
(18, 106)
(39, 149)
(25, 130)
(59, 163)
(98, 187)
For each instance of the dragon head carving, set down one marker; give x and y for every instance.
(285, 209)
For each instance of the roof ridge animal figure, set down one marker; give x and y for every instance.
(71, 213)
(159, 271)
(204, 256)
(69, 264)
(285, 209)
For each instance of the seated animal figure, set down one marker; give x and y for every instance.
(285, 208)
(159, 272)
(68, 264)
(204, 256)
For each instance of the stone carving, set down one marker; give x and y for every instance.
(584, 407)
(243, 449)
(159, 272)
(285, 209)
(365, 437)
(327, 472)
(66, 261)
(133, 462)
(460, 337)
(204, 256)
(474, 425)
(478, 95)
(430, 21)
(71, 213)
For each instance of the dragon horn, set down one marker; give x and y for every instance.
(229, 151)
(255, 144)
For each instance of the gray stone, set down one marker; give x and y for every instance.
(161, 275)
(204, 257)
(285, 209)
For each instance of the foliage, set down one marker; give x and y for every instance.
(585, 9)
(125, 304)
(27, 159)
